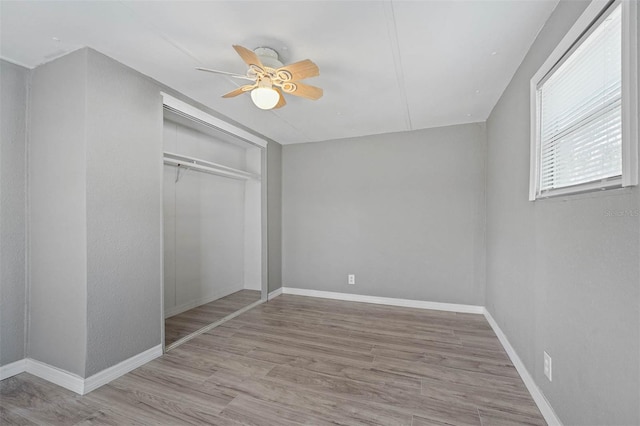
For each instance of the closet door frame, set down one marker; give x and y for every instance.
(201, 118)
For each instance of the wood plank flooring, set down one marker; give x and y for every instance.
(185, 323)
(298, 360)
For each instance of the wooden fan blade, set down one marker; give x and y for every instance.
(230, 74)
(249, 57)
(303, 90)
(239, 91)
(282, 102)
(298, 71)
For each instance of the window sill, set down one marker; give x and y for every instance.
(585, 188)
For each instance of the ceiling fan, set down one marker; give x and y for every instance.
(271, 78)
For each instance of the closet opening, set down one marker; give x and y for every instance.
(214, 219)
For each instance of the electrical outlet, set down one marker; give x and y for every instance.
(351, 279)
(547, 366)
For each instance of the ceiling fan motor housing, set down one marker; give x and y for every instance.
(268, 57)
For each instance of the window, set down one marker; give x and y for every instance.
(584, 106)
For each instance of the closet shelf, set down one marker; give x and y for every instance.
(207, 167)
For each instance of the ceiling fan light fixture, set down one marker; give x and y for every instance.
(265, 97)
(271, 78)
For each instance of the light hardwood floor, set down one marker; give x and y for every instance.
(298, 360)
(185, 323)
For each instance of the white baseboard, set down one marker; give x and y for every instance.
(120, 369)
(407, 303)
(175, 310)
(74, 382)
(12, 369)
(55, 375)
(275, 293)
(543, 405)
(81, 386)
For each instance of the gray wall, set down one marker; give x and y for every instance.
(95, 197)
(95, 191)
(95, 173)
(13, 109)
(57, 214)
(123, 212)
(563, 274)
(403, 212)
(274, 214)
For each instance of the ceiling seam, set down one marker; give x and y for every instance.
(392, 30)
(195, 58)
(168, 39)
(300, 132)
(145, 22)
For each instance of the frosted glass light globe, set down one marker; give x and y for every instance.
(265, 97)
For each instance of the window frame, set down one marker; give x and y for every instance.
(585, 24)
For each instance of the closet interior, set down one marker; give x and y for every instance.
(213, 225)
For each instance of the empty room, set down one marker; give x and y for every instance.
(322, 212)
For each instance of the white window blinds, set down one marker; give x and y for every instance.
(580, 111)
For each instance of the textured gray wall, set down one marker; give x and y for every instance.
(274, 214)
(124, 202)
(95, 200)
(563, 274)
(95, 188)
(57, 214)
(13, 109)
(404, 212)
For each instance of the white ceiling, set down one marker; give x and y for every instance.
(385, 66)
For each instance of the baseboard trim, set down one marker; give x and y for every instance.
(120, 369)
(82, 386)
(55, 375)
(275, 293)
(407, 303)
(74, 382)
(12, 369)
(543, 405)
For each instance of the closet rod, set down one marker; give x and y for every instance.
(219, 171)
(201, 162)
